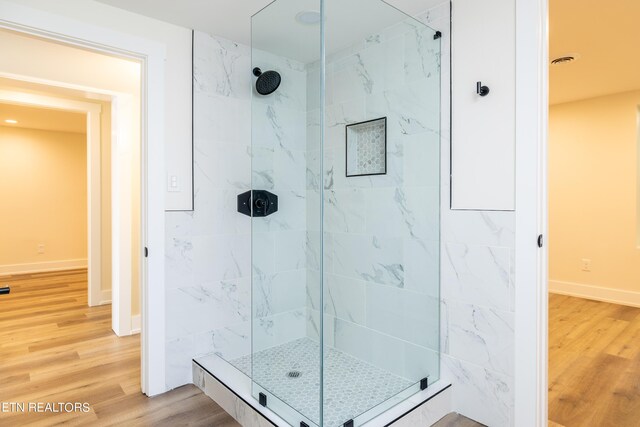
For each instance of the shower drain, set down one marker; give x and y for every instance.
(294, 374)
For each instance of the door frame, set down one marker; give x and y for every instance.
(152, 56)
(531, 293)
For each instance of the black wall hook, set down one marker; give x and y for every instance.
(482, 90)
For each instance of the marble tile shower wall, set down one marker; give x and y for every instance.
(477, 288)
(381, 232)
(208, 253)
(208, 250)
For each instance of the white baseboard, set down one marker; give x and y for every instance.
(105, 297)
(598, 293)
(42, 267)
(136, 321)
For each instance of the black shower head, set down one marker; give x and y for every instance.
(268, 82)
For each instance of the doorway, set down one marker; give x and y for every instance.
(594, 256)
(95, 291)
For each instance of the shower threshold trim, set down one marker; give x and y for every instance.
(226, 384)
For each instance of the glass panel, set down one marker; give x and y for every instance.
(347, 136)
(286, 246)
(382, 228)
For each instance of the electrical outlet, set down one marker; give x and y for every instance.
(40, 248)
(586, 264)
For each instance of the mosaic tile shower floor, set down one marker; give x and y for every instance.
(351, 387)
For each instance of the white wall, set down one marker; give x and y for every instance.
(593, 196)
(483, 128)
(43, 182)
(177, 42)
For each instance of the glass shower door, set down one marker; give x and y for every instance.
(286, 243)
(382, 209)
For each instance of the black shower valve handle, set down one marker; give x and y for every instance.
(482, 90)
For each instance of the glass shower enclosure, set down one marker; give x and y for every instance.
(345, 210)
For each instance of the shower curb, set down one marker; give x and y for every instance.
(424, 411)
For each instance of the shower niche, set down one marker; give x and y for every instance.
(366, 148)
(345, 286)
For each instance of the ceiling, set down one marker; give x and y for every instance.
(42, 119)
(231, 19)
(606, 35)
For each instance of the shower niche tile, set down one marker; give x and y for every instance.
(367, 148)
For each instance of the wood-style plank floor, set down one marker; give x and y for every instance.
(456, 420)
(594, 363)
(54, 348)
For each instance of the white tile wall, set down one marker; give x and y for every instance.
(209, 250)
(208, 267)
(477, 286)
(382, 232)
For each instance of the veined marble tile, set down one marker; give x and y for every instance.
(313, 178)
(289, 169)
(207, 306)
(477, 274)
(345, 211)
(357, 75)
(178, 225)
(420, 362)
(369, 258)
(421, 160)
(263, 168)
(422, 266)
(481, 336)
(280, 292)
(411, 212)
(279, 329)
(220, 66)
(481, 394)
(215, 214)
(406, 360)
(337, 116)
(405, 115)
(263, 253)
(221, 257)
(422, 53)
(313, 87)
(410, 316)
(278, 126)
(220, 119)
(178, 263)
(229, 342)
(436, 13)
(480, 228)
(224, 165)
(345, 298)
(179, 353)
(290, 250)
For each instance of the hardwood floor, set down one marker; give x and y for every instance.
(54, 348)
(594, 363)
(457, 420)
